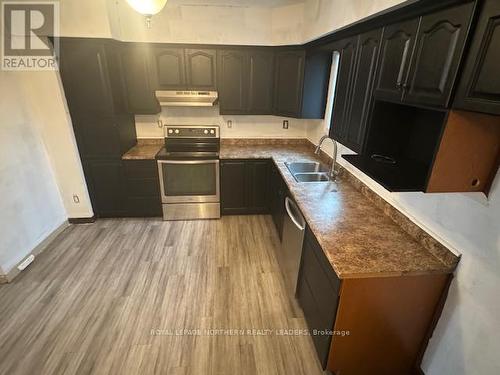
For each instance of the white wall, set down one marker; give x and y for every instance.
(30, 206)
(242, 126)
(324, 16)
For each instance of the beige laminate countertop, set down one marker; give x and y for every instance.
(357, 237)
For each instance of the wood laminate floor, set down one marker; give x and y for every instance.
(113, 298)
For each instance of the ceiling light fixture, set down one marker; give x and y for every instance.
(147, 7)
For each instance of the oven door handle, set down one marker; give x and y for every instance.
(188, 162)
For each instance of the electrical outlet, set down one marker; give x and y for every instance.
(229, 124)
(285, 124)
(76, 199)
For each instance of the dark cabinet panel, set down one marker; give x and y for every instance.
(244, 186)
(396, 50)
(85, 76)
(233, 187)
(318, 290)
(316, 81)
(289, 83)
(232, 66)
(97, 137)
(137, 80)
(257, 180)
(106, 185)
(201, 69)
(276, 197)
(169, 68)
(438, 51)
(345, 75)
(142, 188)
(479, 88)
(261, 82)
(361, 99)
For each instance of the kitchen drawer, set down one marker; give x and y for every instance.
(143, 187)
(318, 293)
(140, 169)
(316, 259)
(316, 320)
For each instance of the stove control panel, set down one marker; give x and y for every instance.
(192, 132)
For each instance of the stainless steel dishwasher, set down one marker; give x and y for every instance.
(291, 246)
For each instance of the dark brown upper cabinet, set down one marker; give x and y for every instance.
(137, 79)
(420, 57)
(479, 88)
(345, 75)
(261, 81)
(245, 81)
(301, 83)
(436, 57)
(86, 76)
(232, 66)
(357, 65)
(201, 69)
(367, 52)
(395, 55)
(289, 82)
(169, 67)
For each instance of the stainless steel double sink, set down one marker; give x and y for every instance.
(309, 171)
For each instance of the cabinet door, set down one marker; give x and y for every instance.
(479, 88)
(85, 76)
(318, 293)
(438, 51)
(261, 82)
(395, 54)
(97, 137)
(345, 74)
(233, 187)
(361, 99)
(142, 188)
(201, 69)
(277, 194)
(289, 83)
(137, 80)
(257, 182)
(232, 66)
(169, 68)
(105, 180)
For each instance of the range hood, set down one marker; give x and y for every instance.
(174, 98)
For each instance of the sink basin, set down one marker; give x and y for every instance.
(311, 177)
(307, 167)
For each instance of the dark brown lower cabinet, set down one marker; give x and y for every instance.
(244, 186)
(124, 188)
(105, 182)
(277, 194)
(367, 325)
(317, 291)
(142, 188)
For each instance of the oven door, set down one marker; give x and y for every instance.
(189, 181)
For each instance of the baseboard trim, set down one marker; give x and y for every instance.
(14, 272)
(82, 220)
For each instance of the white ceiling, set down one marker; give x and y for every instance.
(237, 3)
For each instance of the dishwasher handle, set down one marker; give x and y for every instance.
(292, 210)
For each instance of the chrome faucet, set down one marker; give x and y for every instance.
(333, 172)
